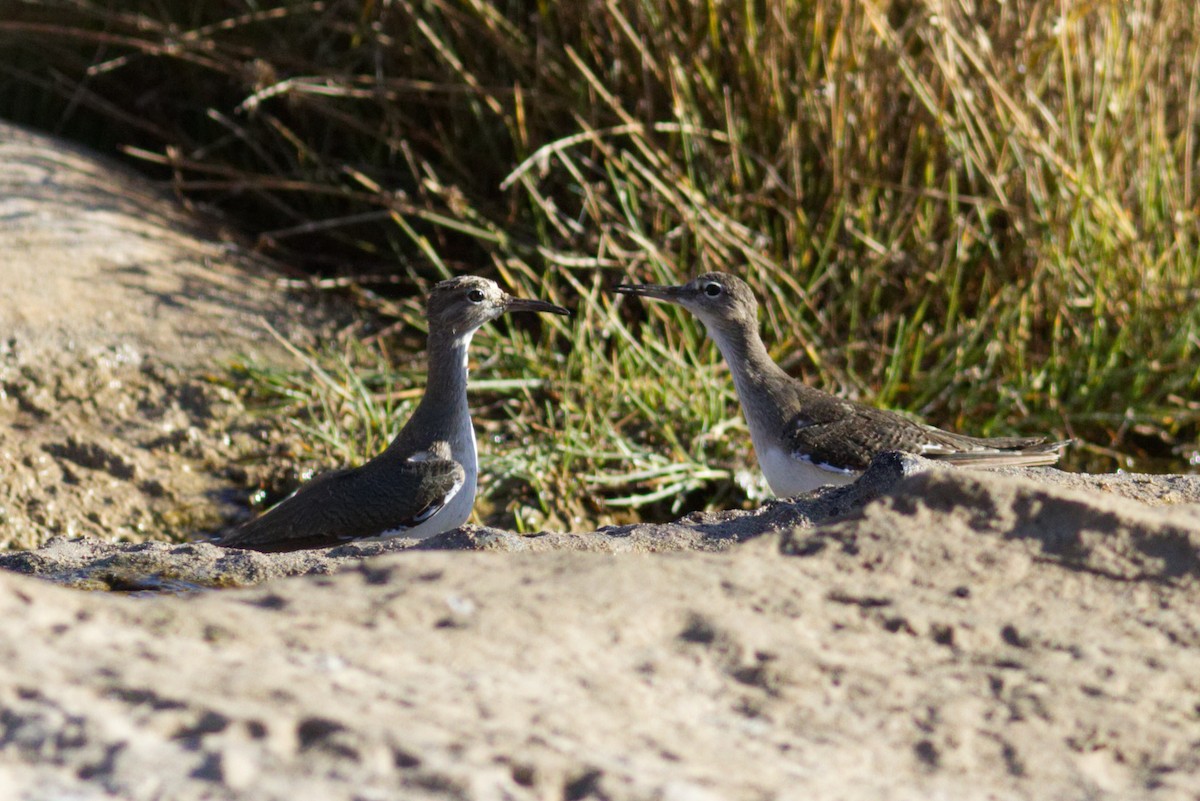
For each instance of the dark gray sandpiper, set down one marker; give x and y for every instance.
(424, 482)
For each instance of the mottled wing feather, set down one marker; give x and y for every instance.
(353, 504)
(834, 432)
(846, 435)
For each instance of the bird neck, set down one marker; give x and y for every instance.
(756, 376)
(443, 409)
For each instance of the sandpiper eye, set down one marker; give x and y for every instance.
(475, 296)
(712, 289)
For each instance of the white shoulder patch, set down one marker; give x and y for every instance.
(822, 465)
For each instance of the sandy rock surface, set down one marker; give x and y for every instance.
(963, 636)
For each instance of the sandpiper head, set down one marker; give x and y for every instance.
(720, 300)
(464, 303)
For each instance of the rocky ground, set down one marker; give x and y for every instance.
(926, 633)
(118, 309)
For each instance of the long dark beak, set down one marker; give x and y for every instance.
(671, 294)
(525, 304)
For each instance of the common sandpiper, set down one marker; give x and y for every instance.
(424, 482)
(805, 438)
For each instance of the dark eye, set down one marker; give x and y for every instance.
(712, 289)
(475, 296)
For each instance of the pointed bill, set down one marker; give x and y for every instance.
(530, 305)
(671, 294)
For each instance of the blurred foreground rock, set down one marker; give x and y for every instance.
(964, 635)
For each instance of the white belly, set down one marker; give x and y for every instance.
(788, 475)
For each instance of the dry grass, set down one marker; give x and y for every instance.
(982, 213)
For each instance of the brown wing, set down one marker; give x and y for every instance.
(846, 435)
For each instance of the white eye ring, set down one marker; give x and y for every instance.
(712, 289)
(475, 296)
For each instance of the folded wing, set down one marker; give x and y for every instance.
(381, 496)
(849, 435)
